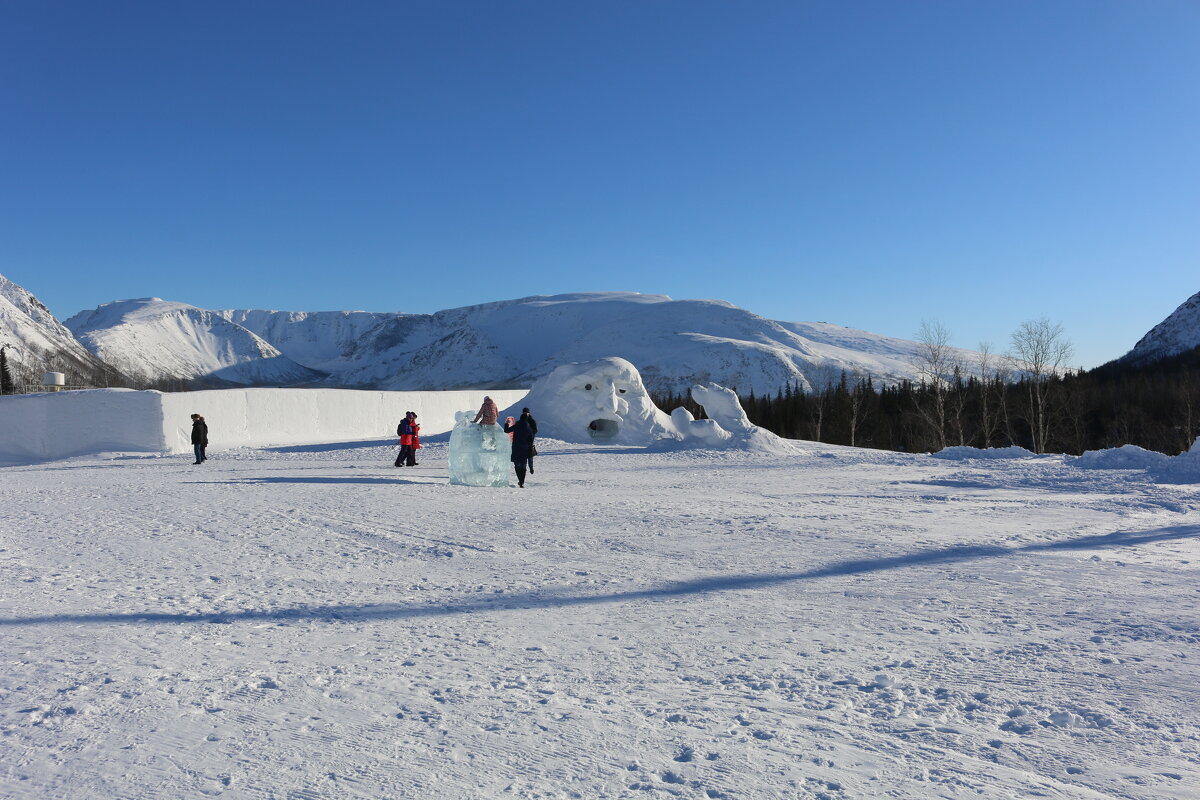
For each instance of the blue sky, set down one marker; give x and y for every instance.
(871, 164)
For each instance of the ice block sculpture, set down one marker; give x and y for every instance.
(479, 454)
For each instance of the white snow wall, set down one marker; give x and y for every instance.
(58, 425)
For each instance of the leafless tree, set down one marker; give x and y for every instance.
(987, 420)
(820, 382)
(1191, 425)
(859, 386)
(956, 405)
(1041, 351)
(934, 363)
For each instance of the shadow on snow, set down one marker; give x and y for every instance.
(557, 599)
(322, 479)
(330, 447)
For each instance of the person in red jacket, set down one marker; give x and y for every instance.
(415, 442)
(404, 430)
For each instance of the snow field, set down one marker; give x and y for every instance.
(309, 622)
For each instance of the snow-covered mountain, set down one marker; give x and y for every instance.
(151, 339)
(1178, 333)
(674, 343)
(39, 342)
(317, 339)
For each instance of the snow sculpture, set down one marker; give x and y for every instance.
(604, 401)
(701, 431)
(601, 401)
(722, 406)
(479, 454)
(727, 427)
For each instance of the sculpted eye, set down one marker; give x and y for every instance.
(588, 387)
(622, 391)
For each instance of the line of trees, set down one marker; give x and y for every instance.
(24, 369)
(7, 385)
(1027, 397)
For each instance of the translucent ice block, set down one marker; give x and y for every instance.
(480, 455)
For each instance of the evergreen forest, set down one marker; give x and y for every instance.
(1155, 406)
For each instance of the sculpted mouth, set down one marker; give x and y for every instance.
(603, 430)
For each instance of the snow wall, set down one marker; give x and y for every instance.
(38, 427)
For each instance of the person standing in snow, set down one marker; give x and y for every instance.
(488, 412)
(525, 415)
(404, 431)
(199, 437)
(523, 431)
(415, 442)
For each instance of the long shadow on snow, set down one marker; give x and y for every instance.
(322, 479)
(330, 447)
(556, 599)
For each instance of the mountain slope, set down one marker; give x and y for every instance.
(1178, 333)
(316, 339)
(674, 343)
(511, 343)
(151, 339)
(39, 342)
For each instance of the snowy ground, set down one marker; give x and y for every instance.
(312, 623)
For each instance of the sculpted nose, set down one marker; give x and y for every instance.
(607, 398)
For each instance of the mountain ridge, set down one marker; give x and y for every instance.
(39, 342)
(1178, 333)
(504, 343)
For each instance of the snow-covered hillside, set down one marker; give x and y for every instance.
(674, 343)
(1178, 333)
(39, 342)
(316, 339)
(150, 339)
(836, 624)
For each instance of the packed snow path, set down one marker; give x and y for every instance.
(310, 622)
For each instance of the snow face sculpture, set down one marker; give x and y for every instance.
(479, 454)
(605, 401)
(600, 401)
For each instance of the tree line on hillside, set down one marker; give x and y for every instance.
(19, 376)
(1028, 398)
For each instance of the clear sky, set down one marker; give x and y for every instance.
(871, 164)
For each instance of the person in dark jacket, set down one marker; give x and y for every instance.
(525, 415)
(405, 432)
(199, 437)
(523, 431)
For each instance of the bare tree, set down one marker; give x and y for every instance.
(987, 421)
(957, 404)
(857, 403)
(820, 383)
(1191, 426)
(934, 363)
(1041, 351)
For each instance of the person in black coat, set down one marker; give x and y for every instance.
(523, 431)
(404, 430)
(199, 437)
